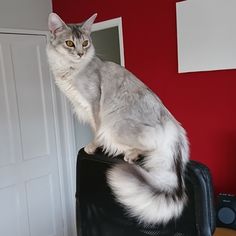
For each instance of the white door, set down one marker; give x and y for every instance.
(30, 195)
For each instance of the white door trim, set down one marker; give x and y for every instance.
(23, 31)
(109, 24)
(62, 176)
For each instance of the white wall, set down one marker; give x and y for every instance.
(25, 14)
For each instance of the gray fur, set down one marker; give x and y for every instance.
(127, 118)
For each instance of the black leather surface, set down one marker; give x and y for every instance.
(99, 215)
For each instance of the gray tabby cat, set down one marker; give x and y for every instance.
(127, 118)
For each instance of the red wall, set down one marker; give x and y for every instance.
(204, 102)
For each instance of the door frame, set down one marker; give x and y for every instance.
(116, 22)
(63, 179)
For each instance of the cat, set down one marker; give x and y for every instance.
(126, 118)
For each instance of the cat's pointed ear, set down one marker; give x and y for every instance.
(55, 23)
(87, 25)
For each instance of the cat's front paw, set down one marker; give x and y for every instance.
(131, 158)
(126, 158)
(90, 148)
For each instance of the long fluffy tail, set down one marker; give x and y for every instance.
(147, 196)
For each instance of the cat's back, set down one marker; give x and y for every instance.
(110, 68)
(122, 88)
(116, 76)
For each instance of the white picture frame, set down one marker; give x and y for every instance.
(206, 35)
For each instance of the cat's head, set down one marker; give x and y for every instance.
(71, 41)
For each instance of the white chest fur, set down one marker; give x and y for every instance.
(80, 104)
(64, 76)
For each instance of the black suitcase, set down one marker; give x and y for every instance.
(99, 215)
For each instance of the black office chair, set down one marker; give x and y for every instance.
(98, 214)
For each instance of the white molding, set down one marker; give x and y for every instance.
(107, 24)
(23, 31)
(67, 159)
(116, 22)
(60, 157)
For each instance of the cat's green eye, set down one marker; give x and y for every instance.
(70, 43)
(85, 43)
